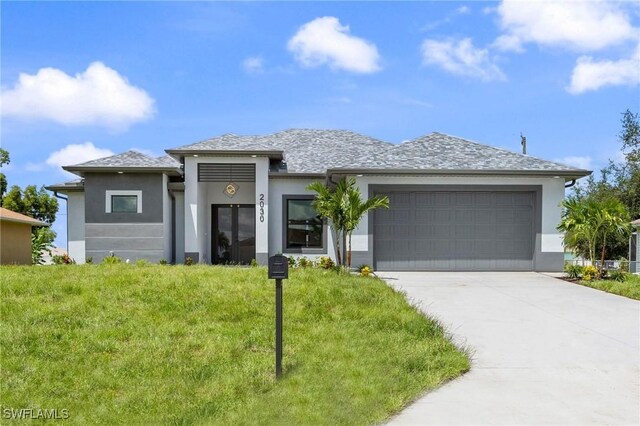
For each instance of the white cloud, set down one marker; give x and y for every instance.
(576, 161)
(325, 41)
(97, 96)
(590, 74)
(580, 25)
(253, 64)
(461, 58)
(76, 154)
(463, 10)
(34, 167)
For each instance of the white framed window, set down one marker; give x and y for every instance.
(122, 201)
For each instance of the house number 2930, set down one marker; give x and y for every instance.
(261, 205)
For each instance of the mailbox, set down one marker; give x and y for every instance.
(278, 267)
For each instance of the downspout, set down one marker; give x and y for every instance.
(570, 184)
(66, 199)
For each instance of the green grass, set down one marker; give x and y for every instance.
(127, 344)
(629, 288)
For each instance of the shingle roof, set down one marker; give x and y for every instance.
(72, 185)
(437, 151)
(127, 160)
(228, 142)
(11, 216)
(316, 151)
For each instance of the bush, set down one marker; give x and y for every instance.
(188, 261)
(64, 259)
(89, 259)
(163, 262)
(365, 270)
(111, 259)
(292, 261)
(326, 262)
(254, 263)
(618, 275)
(573, 271)
(142, 262)
(303, 262)
(623, 265)
(589, 273)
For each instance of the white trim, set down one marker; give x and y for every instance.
(109, 193)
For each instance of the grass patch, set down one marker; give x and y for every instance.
(195, 345)
(629, 288)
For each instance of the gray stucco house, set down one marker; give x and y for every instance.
(455, 204)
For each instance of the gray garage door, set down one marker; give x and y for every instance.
(455, 230)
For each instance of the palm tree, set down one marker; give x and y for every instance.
(356, 208)
(591, 222)
(344, 207)
(614, 221)
(330, 204)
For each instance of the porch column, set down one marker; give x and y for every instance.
(262, 210)
(191, 241)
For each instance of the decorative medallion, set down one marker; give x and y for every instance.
(231, 189)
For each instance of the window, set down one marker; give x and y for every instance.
(124, 204)
(123, 201)
(304, 226)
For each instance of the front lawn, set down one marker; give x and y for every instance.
(629, 288)
(157, 344)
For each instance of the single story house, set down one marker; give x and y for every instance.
(454, 204)
(15, 237)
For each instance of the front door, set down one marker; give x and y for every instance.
(234, 233)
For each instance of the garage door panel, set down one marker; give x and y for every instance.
(456, 230)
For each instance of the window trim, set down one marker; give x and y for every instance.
(110, 193)
(285, 220)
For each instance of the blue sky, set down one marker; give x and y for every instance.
(81, 80)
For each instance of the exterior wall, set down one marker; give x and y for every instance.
(75, 226)
(15, 243)
(130, 236)
(278, 188)
(199, 196)
(549, 252)
(151, 185)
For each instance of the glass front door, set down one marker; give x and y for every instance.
(234, 233)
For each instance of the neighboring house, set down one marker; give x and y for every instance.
(455, 204)
(15, 237)
(634, 248)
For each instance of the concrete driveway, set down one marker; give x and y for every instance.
(544, 351)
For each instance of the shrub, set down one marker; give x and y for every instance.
(303, 262)
(623, 265)
(618, 275)
(111, 259)
(142, 262)
(292, 261)
(365, 270)
(254, 263)
(573, 271)
(64, 259)
(188, 261)
(89, 259)
(589, 272)
(163, 261)
(326, 262)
